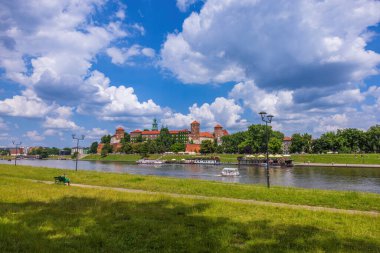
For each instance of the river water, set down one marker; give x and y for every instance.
(353, 179)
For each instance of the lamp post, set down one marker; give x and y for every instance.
(267, 118)
(78, 139)
(16, 144)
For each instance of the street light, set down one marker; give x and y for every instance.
(267, 118)
(16, 144)
(78, 139)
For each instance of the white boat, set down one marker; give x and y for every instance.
(232, 172)
(148, 161)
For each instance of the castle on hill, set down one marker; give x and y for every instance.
(192, 138)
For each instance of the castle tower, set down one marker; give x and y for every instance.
(119, 134)
(195, 130)
(154, 125)
(218, 131)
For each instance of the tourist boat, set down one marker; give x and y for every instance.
(148, 161)
(230, 172)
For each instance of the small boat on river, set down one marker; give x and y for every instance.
(148, 161)
(230, 172)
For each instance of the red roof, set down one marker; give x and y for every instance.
(218, 126)
(137, 131)
(195, 122)
(225, 132)
(287, 138)
(120, 128)
(193, 148)
(206, 135)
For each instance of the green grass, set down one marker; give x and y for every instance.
(338, 158)
(118, 157)
(55, 218)
(314, 197)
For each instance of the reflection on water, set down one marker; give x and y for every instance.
(355, 179)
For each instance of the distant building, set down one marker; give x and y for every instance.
(286, 142)
(81, 150)
(192, 138)
(197, 137)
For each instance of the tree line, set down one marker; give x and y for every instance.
(350, 140)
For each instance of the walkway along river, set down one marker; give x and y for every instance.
(353, 179)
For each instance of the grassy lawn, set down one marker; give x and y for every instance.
(338, 158)
(335, 199)
(55, 218)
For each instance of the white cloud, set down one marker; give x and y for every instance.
(34, 136)
(282, 44)
(95, 133)
(183, 5)
(122, 101)
(52, 132)
(123, 55)
(60, 123)
(24, 107)
(222, 111)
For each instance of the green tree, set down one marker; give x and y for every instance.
(230, 143)
(106, 139)
(178, 147)
(127, 137)
(106, 149)
(207, 147)
(297, 143)
(275, 146)
(373, 138)
(257, 135)
(94, 147)
(164, 139)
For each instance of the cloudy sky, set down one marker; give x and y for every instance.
(88, 66)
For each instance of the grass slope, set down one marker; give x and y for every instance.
(335, 199)
(338, 158)
(54, 218)
(118, 157)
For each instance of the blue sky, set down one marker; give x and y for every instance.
(86, 67)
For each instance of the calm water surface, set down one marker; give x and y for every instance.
(354, 179)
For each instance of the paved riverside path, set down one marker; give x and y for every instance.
(234, 200)
(348, 165)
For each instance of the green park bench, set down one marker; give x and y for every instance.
(62, 179)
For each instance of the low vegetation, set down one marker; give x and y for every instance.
(118, 157)
(326, 198)
(338, 158)
(37, 217)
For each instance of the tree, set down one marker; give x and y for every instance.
(164, 139)
(106, 149)
(230, 143)
(297, 143)
(127, 137)
(275, 146)
(106, 139)
(353, 139)
(207, 147)
(257, 135)
(94, 147)
(373, 138)
(301, 143)
(126, 148)
(178, 147)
